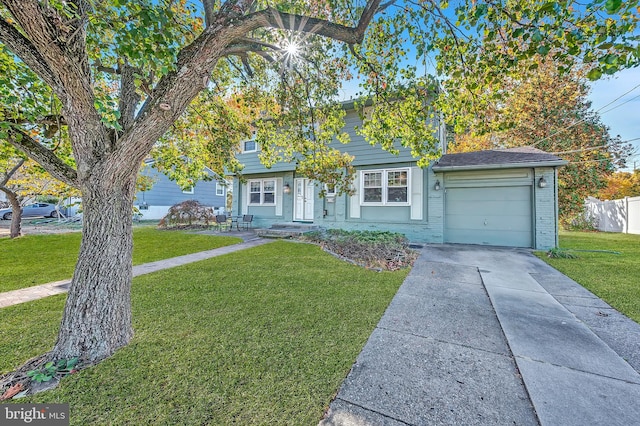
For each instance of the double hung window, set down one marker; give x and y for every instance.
(262, 192)
(385, 187)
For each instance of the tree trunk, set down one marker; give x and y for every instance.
(16, 214)
(97, 315)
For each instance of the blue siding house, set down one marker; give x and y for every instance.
(155, 203)
(498, 197)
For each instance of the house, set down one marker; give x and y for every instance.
(164, 193)
(498, 197)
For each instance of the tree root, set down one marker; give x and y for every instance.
(19, 376)
(18, 381)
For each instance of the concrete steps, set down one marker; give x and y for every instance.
(286, 230)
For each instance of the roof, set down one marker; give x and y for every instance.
(498, 159)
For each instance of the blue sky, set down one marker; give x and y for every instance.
(625, 119)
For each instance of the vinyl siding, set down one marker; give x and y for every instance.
(364, 153)
(165, 192)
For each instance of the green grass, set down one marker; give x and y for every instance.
(39, 259)
(613, 278)
(261, 336)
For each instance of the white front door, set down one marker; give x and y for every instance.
(303, 210)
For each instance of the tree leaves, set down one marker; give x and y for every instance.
(545, 108)
(612, 6)
(473, 55)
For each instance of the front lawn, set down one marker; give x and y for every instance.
(39, 259)
(261, 336)
(614, 278)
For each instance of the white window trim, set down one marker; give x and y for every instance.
(385, 182)
(253, 139)
(188, 190)
(219, 186)
(367, 113)
(328, 192)
(245, 151)
(262, 181)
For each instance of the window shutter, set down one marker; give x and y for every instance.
(354, 202)
(416, 193)
(279, 189)
(244, 209)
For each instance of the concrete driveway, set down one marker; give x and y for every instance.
(480, 335)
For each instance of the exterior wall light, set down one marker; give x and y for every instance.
(542, 182)
(287, 188)
(437, 185)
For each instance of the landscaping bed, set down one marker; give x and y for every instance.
(378, 250)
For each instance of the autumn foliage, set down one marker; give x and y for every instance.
(545, 108)
(620, 185)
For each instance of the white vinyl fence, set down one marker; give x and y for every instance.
(615, 215)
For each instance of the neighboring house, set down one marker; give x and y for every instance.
(498, 197)
(155, 203)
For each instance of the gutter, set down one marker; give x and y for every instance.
(553, 163)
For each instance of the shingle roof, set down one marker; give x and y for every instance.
(510, 157)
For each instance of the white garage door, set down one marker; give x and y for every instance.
(497, 215)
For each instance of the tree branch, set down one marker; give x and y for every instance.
(8, 175)
(62, 59)
(175, 90)
(247, 66)
(129, 97)
(273, 18)
(209, 11)
(47, 159)
(241, 48)
(27, 52)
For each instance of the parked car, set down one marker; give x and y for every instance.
(33, 210)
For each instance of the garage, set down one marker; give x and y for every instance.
(502, 197)
(496, 216)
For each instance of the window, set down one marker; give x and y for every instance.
(372, 185)
(262, 192)
(367, 113)
(385, 187)
(189, 190)
(249, 146)
(329, 190)
(219, 189)
(397, 186)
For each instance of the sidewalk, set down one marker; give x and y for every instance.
(487, 336)
(37, 292)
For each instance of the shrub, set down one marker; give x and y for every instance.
(372, 249)
(558, 253)
(583, 221)
(188, 214)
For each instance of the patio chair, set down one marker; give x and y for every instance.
(245, 223)
(221, 222)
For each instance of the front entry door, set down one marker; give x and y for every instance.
(304, 200)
